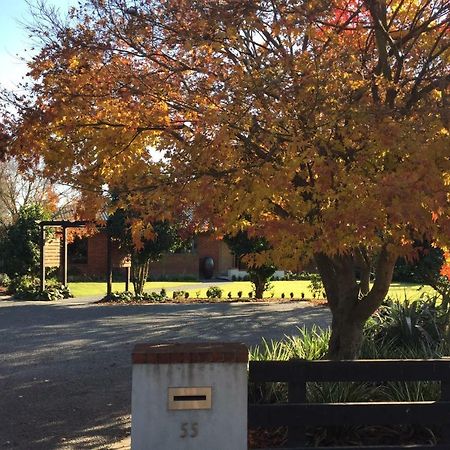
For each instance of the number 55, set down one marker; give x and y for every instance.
(191, 431)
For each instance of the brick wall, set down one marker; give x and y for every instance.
(216, 249)
(176, 264)
(171, 265)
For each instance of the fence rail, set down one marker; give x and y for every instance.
(297, 413)
(377, 447)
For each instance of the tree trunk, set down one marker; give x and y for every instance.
(351, 303)
(260, 278)
(139, 274)
(346, 337)
(446, 300)
(259, 281)
(259, 288)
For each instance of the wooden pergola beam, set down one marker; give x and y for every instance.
(42, 257)
(64, 256)
(64, 224)
(71, 223)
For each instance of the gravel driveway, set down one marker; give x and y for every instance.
(65, 372)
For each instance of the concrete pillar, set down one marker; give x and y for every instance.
(189, 396)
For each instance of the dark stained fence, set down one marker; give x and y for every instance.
(297, 413)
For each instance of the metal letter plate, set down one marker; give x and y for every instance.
(189, 398)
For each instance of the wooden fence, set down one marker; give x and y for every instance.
(298, 414)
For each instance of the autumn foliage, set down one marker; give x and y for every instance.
(321, 126)
(445, 271)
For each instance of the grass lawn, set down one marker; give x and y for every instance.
(398, 291)
(97, 288)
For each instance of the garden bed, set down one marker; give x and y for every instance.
(183, 301)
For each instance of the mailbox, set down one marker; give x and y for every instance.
(189, 396)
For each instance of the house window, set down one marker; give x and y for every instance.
(77, 251)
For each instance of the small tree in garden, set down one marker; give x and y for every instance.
(249, 248)
(161, 238)
(19, 245)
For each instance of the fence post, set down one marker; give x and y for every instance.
(445, 397)
(297, 394)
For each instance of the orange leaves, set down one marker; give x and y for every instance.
(271, 115)
(140, 232)
(445, 270)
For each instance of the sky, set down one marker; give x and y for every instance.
(14, 38)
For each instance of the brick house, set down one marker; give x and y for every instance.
(88, 257)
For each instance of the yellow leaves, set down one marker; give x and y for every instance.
(140, 232)
(285, 132)
(74, 63)
(257, 259)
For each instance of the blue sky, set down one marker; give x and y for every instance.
(14, 39)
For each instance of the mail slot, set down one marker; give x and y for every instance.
(189, 398)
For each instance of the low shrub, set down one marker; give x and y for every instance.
(24, 283)
(309, 344)
(153, 297)
(178, 295)
(27, 287)
(299, 276)
(214, 292)
(121, 297)
(128, 296)
(4, 280)
(417, 327)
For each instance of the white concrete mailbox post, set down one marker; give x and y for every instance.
(189, 396)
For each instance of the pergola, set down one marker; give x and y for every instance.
(64, 225)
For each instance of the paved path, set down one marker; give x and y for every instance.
(65, 373)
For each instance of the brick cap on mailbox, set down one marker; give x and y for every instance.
(185, 353)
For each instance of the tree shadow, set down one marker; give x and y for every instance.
(65, 371)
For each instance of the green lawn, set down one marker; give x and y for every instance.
(96, 288)
(81, 289)
(397, 290)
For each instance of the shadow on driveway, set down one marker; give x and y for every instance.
(65, 370)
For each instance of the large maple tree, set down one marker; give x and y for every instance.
(320, 125)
